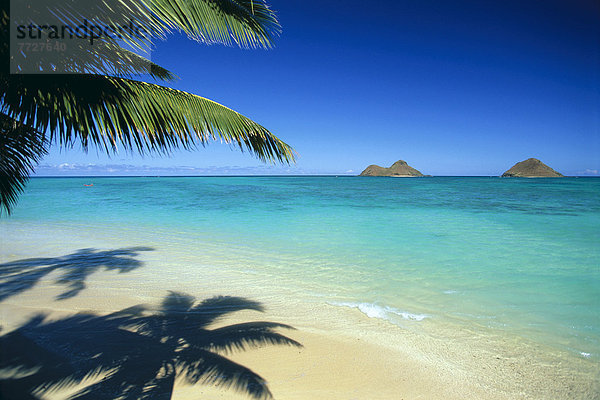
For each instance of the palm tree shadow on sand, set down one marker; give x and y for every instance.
(21, 275)
(139, 352)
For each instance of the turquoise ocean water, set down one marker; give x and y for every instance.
(516, 256)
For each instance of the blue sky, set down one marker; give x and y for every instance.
(453, 88)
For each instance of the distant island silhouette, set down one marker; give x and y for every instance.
(531, 168)
(398, 169)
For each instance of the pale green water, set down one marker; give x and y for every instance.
(518, 256)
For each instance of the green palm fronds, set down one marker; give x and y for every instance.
(104, 107)
(244, 23)
(21, 148)
(109, 112)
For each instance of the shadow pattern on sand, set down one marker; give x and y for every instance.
(75, 268)
(136, 353)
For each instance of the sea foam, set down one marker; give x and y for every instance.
(381, 312)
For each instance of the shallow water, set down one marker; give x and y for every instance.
(516, 257)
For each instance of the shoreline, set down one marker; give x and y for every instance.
(346, 354)
(353, 366)
(378, 360)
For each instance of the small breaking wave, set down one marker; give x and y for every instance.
(382, 312)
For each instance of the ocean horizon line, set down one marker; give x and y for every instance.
(295, 176)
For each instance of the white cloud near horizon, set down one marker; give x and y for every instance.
(591, 172)
(90, 169)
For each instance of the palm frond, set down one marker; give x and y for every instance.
(104, 58)
(21, 148)
(245, 23)
(110, 112)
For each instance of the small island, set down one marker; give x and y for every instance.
(531, 168)
(398, 169)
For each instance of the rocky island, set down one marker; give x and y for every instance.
(398, 169)
(531, 168)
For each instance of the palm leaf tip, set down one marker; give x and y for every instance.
(110, 112)
(21, 148)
